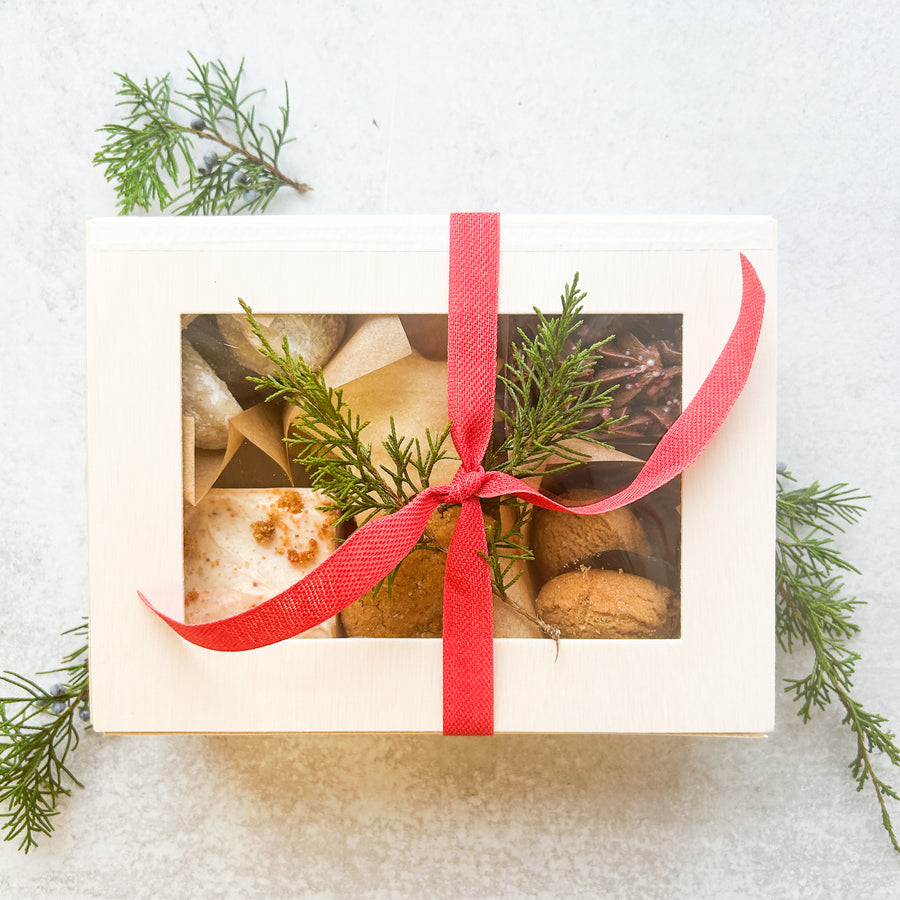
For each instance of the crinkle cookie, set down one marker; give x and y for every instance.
(206, 398)
(314, 336)
(560, 539)
(414, 607)
(596, 603)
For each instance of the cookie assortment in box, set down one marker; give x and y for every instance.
(292, 395)
(610, 575)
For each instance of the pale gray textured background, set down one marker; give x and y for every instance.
(657, 107)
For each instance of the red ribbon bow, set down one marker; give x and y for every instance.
(374, 550)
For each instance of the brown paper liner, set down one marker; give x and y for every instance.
(371, 343)
(260, 425)
(427, 332)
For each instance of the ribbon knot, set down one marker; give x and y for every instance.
(465, 484)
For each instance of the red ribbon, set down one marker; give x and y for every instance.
(374, 550)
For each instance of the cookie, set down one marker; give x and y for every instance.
(596, 603)
(560, 539)
(243, 546)
(414, 606)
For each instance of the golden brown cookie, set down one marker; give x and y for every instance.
(414, 606)
(560, 539)
(595, 603)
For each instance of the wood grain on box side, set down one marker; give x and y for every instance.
(429, 233)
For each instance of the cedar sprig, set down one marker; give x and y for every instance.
(507, 553)
(813, 610)
(149, 156)
(327, 438)
(38, 731)
(553, 393)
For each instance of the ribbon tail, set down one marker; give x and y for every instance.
(691, 431)
(363, 560)
(468, 629)
(695, 427)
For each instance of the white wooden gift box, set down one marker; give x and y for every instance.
(144, 273)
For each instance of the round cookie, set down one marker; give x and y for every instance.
(597, 603)
(414, 606)
(560, 539)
